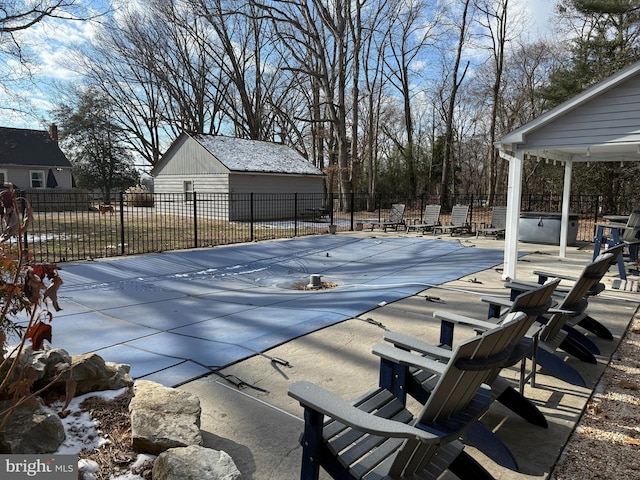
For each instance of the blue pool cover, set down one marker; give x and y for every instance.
(177, 316)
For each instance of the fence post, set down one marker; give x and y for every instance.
(595, 218)
(122, 252)
(295, 214)
(353, 207)
(331, 200)
(251, 214)
(195, 220)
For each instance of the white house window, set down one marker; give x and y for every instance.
(188, 191)
(37, 178)
(3, 177)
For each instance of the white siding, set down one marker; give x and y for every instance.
(187, 158)
(201, 183)
(611, 118)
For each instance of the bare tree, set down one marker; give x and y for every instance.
(374, 81)
(456, 79)
(495, 22)
(317, 40)
(412, 30)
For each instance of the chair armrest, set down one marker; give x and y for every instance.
(317, 398)
(544, 274)
(402, 357)
(500, 301)
(462, 320)
(521, 285)
(407, 342)
(612, 225)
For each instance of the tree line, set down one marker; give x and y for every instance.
(384, 96)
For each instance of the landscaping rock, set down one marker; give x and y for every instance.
(93, 374)
(163, 418)
(31, 430)
(194, 463)
(90, 371)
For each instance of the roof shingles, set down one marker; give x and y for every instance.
(240, 155)
(30, 148)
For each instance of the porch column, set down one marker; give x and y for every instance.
(514, 194)
(566, 199)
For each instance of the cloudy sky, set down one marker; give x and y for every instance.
(54, 42)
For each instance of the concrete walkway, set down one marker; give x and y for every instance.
(259, 425)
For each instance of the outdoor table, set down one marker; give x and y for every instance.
(616, 224)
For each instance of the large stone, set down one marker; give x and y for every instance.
(93, 374)
(89, 370)
(194, 463)
(163, 418)
(31, 430)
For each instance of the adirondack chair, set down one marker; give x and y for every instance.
(627, 234)
(430, 219)
(497, 225)
(557, 330)
(395, 220)
(378, 437)
(458, 222)
(419, 384)
(587, 322)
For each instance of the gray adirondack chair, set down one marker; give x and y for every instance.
(378, 437)
(587, 321)
(498, 223)
(558, 332)
(395, 220)
(458, 222)
(430, 219)
(419, 384)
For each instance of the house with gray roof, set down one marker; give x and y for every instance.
(33, 159)
(280, 181)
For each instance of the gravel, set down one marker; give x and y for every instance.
(606, 441)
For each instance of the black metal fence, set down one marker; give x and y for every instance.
(78, 225)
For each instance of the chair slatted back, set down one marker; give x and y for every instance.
(431, 215)
(458, 384)
(632, 232)
(533, 303)
(459, 215)
(397, 213)
(575, 299)
(499, 217)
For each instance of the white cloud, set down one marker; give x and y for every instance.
(540, 16)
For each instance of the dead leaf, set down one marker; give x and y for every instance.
(27, 220)
(631, 441)
(627, 385)
(38, 333)
(70, 390)
(13, 226)
(52, 292)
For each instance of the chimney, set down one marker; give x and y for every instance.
(53, 132)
